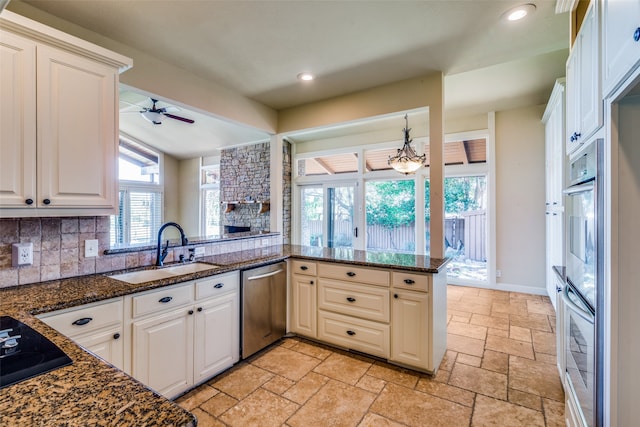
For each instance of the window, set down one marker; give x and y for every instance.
(210, 199)
(140, 196)
(391, 222)
(327, 215)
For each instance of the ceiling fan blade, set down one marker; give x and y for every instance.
(182, 119)
(170, 109)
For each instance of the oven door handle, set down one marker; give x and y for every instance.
(582, 188)
(584, 314)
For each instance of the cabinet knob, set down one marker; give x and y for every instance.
(351, 273)
(190, 312)
(46, 201)
(199, 309)
(351, 299)
(311, 282)
(352, 333)
(636, 34)
(116, 336)
(29, 201)
(395, 296)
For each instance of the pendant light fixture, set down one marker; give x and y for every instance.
(406, 160)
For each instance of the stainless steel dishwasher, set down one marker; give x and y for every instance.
(264, 306)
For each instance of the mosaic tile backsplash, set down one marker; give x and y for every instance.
(58, 249)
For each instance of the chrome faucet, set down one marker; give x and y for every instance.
(161, 256)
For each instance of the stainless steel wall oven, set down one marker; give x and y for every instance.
(583, 292)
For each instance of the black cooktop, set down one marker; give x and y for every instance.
(25, 353)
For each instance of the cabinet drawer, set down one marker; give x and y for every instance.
(87, 318)
(354, 274)
(413, 281)
(162, 299)
(368, 302)
(304, 267)
(356, 334)
(216, 285)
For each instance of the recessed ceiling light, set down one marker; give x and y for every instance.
(519, 12)
(305, 77)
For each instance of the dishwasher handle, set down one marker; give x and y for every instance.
(262, 276)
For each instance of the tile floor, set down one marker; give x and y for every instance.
(499, 370)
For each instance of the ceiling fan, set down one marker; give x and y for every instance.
(155, 114)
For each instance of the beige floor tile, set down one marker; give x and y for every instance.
(495, 361)
(544, 342)
(519, 333)
(467, 330)
(496, 322)
(262, 408)
(278, 384)
(414, 408)
(442, 376)
(469, 360)
(477, 299)
(286, 362)
(448, 360)
(504, 333)
(541, 307)
(550, 359)
(306, 387)
(336, 404)
(511, 307)
(393, 374)
(218, 404)
(553, 413)
(535, 377)
(472, 346)
(460, 316)
(196, 397)
(375, 420)
(507, 345)
(313, 350)
(493, 412)
(372, 384)
(479, 380)
(494, 294)
(242, 381)
(532, 321)
(205, 419)
(470, 307)
(528, 400)
(445, 391)
(343, 368)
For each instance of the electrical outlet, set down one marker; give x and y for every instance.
(91, 248)
(265, 242)
(199, 251)
(21, 254)
(498, 273)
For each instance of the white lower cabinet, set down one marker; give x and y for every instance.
(410, 328)
(185, 334)
(353, 333)
(304, 305)
(97, 327)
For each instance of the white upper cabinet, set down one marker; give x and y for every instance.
(621, 41)
(584, 101)
(59, 122)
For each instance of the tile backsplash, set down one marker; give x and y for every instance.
(58, 249)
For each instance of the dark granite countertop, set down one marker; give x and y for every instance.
(92, 392)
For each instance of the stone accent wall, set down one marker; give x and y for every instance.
(245, 175)
(58, 249)
(286, 191)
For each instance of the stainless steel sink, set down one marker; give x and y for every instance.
(144, 276)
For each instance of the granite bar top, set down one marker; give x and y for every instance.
(92, 392)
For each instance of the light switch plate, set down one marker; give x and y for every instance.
(91, 248)
(21, 254)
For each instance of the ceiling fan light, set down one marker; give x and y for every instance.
(153, 117)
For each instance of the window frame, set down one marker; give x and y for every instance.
(203, 189)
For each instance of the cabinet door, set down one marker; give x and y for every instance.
(573, 101)
(621, 20)
(77, 125)
(410, 329)
(163, 352)
(303, 318)
(217, 336)
(107, 344)
(17, 120)
(590, 84)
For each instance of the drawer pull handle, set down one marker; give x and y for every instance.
(199, 309)
(116, 336)
(409, 281)
(352, 333)
(636, 34)
(351, 299)
(165, 300)
(83, 321)
(350, 273)
(218, 285)
(190, 312)
(304, 268)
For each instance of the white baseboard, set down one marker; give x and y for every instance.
(507, 287)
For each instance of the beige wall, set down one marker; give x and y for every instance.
(520, 234)
(189, 195)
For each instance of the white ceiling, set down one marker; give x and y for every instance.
(258, 47)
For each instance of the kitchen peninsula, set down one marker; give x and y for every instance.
(92, 391)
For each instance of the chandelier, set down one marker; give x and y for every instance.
(406, 160)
